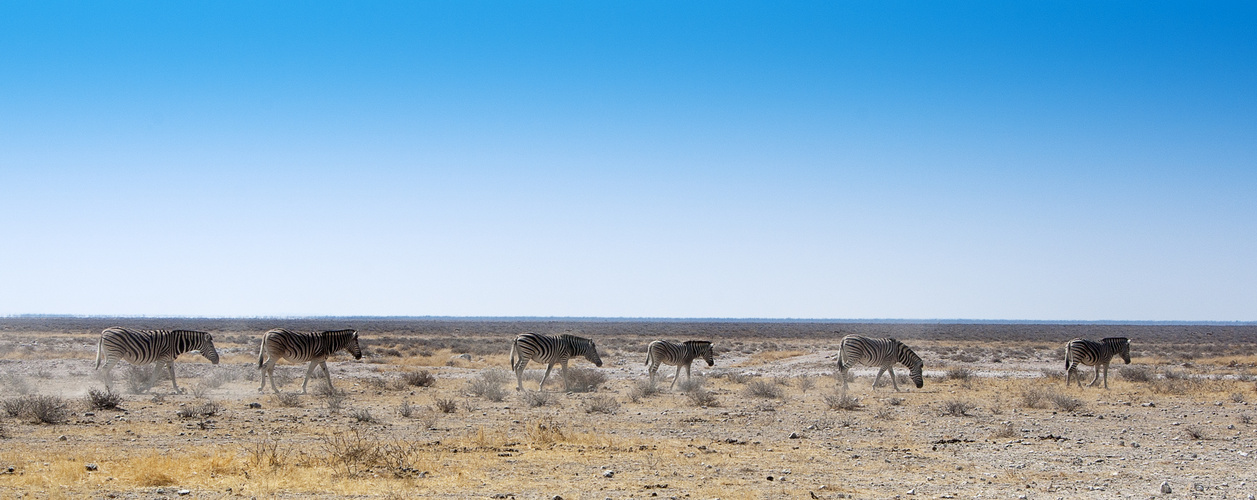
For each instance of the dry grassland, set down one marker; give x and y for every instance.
(994, 419)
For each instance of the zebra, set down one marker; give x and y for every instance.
(549, 349)
(142, 347)
(679, 355)
(1097, 354)
(300, 347)
(882, 353)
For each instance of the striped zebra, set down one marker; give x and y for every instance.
(882, 353)
(300, 347)
(679, 355)
(142, 347)
(1097, 354)
(550, 350)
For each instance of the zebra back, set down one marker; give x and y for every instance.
(552, 349)
(140, 347)
(883, 352)
(300, 347)
(1090, 353)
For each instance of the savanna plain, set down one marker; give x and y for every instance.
(431, 411)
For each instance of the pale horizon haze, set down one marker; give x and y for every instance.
(908, 160)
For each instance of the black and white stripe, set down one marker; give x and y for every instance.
(300, 347)
(550, 350)
(142, 347)
(882, 353)
(1097, 354)
(678, 355)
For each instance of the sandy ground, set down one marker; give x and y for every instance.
(975, 436)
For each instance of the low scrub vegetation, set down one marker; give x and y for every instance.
(420, 378)
(840, 401)
(42, 409)
(103, 400)
(764, 389)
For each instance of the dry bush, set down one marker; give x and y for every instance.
(349, 453)
(15, 383)
(1194, 432)
(584, 379)
(42, 409)
(103, 400)
(200, 390)
(884, 413)
(446, 405)
(406, 410)
(1034, 397)
(1065, 402)
(1244, 418)
(702, 397)
(287, 399)
(544, 431)
(763, 389)
(364, 415)
(264, 453)
(199, 410)
(4, 432)
(959, 373)
(1006, 431)
(488, 384)
(894, 401)
(419, 378)
(602, 404)
(839, 401)
(804, 383)
(641, 389)
(1051, 374)
(691, 384)
(1237, 397)
(537, 399)
(957, 408)
(734, 377)
(1137, 373)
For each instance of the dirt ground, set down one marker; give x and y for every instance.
(994, 418)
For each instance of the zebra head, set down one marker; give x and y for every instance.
(203, 343)
(351, 344)
(585, 347)
(703, 348)
(1120, 345)
(912, 361)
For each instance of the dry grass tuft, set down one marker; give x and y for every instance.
(287, 399)
(602, 404)
(537, 399)
(702, 398)
(581, 379)
(103, 400)
(642, 389)
(957, 408)
(445, 405)
(488, 384)
(764, 389)
(840, 401)
(200, 410)
(41, 409)
(419, 378)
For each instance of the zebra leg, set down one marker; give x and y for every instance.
(519, 373)
(878, 378)
(675, 378)
(309, 370)
(842, 373)
(654, 368)
(892, 378)
(563, 364)
(171, 367)
(1106, 375)
(270, 370)
(328, 374)
(1097, 377)
(542, 386)
(107, 375)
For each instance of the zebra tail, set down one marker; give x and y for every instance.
(649, 354)
(514, 343)
(100, 346)
(262, 351)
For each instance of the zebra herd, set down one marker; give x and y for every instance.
(142, 347)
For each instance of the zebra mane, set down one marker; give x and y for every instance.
(187, 332)
(1114, 339)
(697, 343)
(568, 336)
(339, 332)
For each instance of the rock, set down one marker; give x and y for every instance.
(183, 492)
(89, 414)
(62, 438)
(609, 473)
(556, 497)
(91, 467)
(794, 435)
(1165, 487)
(255, 406)
(1198, 487)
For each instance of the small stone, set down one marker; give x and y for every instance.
(62, 438)
(90, 467)
(89, 414)
(255, 406)
(912, 491)
(1165, 487)
(556, 497)
(794, 435)
(1198, 487)
(609, 473)
(183, 492)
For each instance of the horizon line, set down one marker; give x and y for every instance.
(648, 319)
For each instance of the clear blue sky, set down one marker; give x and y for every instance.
(1002, 160)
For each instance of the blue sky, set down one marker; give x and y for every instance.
(915, 160)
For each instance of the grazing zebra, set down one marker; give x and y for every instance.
(141, 347)
(882, 353)
(300, 347)
(679, 355)
(549, 349)
(1092, 353)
